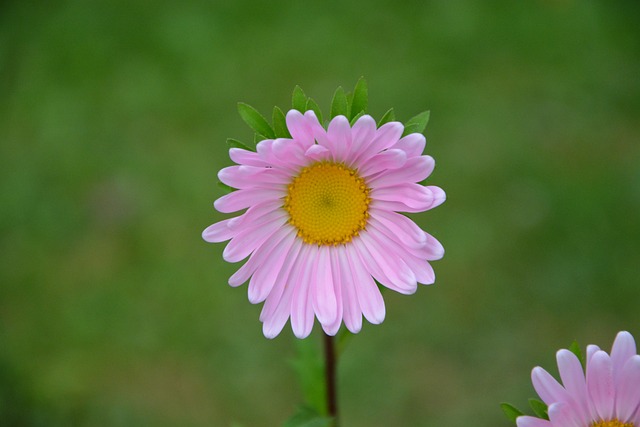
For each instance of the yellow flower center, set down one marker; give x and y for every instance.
(613, 423)
(328, 203)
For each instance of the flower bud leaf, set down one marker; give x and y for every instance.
(539, 408)
(299, 99)
(339, 104)
(417, 124)
(575, 349)
(234, 143)
(356, 117)
(255, 120)
(360, 100)
(280, 123)
(389, 116)
(510, 411)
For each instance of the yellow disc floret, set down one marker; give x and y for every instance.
(328, 203)
(613, 423)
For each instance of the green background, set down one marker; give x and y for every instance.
(113, 120)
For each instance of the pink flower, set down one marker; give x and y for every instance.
(321, 221)
(607, 396)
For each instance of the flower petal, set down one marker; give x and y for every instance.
(402, 227)
(362, 133)
(338, 139)
(245, 177)
(369, 296)
(301, 302)
(387, 135)
(276, 317)
(389, 270)
(560, 414)
(414, 196)
(624, 347)
(218, 232)
(324, 297)
(242, 199)
(302, 127)
(415, 169)
(574, 382)
(389, 159)
(246, 157)
(628, 391)
(258, 257)
(318, 152)
(412, 144)
(528, 421)
(264, 278)
(600, 385)
(249, 239)
(284, 276)
(591, 350)
(352, 314)
(334, 254)
(420, 267)
(547, 387)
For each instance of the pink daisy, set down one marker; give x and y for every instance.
(321, 221)
(607, 396)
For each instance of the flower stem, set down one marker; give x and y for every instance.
(330, 378)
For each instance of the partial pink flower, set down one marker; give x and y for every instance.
(607, 395)
(321, 224)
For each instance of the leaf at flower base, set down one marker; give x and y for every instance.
(389, 116)
(307, 417)
(356, 117)
(510, 411)
(234, 143)
(360, 100)
(312, 105)
(309, 367)
(258, 137)
(279, 121)
(417, 123)
(539, 408)
(575, 349)
(339, 104)
(255, 120)
(299, 99)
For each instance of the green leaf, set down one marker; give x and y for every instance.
(389, 116)
(227, 189)
(255, 120)
(309, 367)
(357, 116)
(539, 408)
(575, 349)
(257, 138)
(510, 411)
(307, 417)
(339, 104)
(280, 123)
(312, 105)
(360, 99)
(234, 143)
(299, 99)
(417, 124)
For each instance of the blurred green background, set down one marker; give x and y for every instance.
(113, 117)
